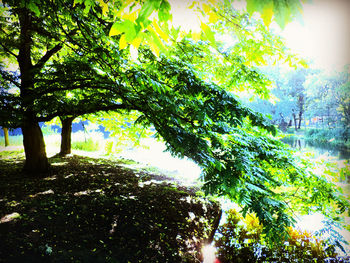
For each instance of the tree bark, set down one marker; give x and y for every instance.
(36, 161)
(34, 148)
(6, 136)
(295, 121)
(66, 135)
(300, 118)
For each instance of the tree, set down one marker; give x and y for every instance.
(24, 37)
(6, 136)
(327, 96)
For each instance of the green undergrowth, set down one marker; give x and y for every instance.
(88, 145)
(337, 136)
(96, 210)
(17, 154)
(240, 239)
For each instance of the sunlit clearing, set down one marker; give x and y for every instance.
(209, 253)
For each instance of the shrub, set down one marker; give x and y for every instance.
(242, 240)
(324, 135)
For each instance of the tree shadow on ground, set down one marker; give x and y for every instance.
(94, 210)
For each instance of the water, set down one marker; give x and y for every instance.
(318, 148)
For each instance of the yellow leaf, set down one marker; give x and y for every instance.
(136, 42)
(206, 8)
(160, 32)
(267, 14)
(114, 30)
(154, 48)
(122, 42)
(213, 2)
(213, 17)
(129, 16)
(155, 38)
(196, 35)
(104, 7)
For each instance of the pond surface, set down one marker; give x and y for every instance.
(318, 148)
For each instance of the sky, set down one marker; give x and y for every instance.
(323, 35)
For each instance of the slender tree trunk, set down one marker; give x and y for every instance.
(295, 121)
(66, 135)
(300, 118)
(6, 136)
(34, 148)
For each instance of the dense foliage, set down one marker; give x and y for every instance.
(241, 239)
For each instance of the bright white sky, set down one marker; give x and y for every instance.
(323, 35)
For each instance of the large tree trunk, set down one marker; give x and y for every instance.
(6, 136)
(36, 161)
(34, 148)
(66, 135)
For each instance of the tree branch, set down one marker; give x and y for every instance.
(8, 50)
(78, 111)
(52, 52)
(47, 56)
(82, 86)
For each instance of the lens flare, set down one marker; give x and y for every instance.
(209, 253)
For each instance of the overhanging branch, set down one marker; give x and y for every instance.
(79, 112)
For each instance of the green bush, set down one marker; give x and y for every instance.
(88, 145)
(109, 147)
(328, 134)
(242, 240)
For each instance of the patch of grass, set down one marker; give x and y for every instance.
(93, 210)
(11, 154)
(15, 140)
(88, 145)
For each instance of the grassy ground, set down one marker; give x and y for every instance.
(96, 210)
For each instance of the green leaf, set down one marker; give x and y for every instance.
(208, 33)
(126, 27)
(33, 7)
(164, 11)
(146, 10)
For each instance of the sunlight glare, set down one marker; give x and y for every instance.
(184, 17)
(208, 253)
(324, 35)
